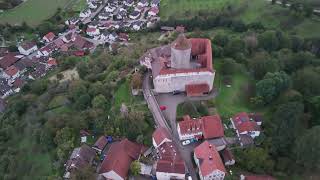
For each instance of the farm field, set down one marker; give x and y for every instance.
(188, 8)
(33, 12)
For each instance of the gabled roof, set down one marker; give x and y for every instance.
(50, 36)
(159, 135)
(81, 157)
(197, 89)
(209, 158)
(28, 45)
(101, 143)
(9, 59)
(243, 123)
(11, 71)
(227, 155)
(18, 83)
(210, 126)
(120, 156)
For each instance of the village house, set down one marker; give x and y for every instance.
(39, 71)
(113, 36)
(137, 25)
(227, 157)
(47, 50)
(5, 89)
(209, 162)
(93, 31)
(128, 2)
(11, 73)
(104, 15)
(18, 84)
(72, 21)
(71, 36)
(82, 44)
(119, 158)
(49, 37)
(246, 127)
(122, 13)
(153, 11)
(155, 3)
(170, 164)
(185, 65)
(85, 13)
(143, 3)
(26, 48)
(80, 158)
(104, 36)
(110, 8)
(134, 15)
(9, 59)
(207, 127)
(92, 4)
(100, 144)
(123, 37)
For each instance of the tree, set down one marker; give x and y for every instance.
(99, 102)
(86, 173)
(314, 107)
(261, 64)
(221, 39)
(82, 68)
(269, 41)
(255, 160)
(228, 66)
(293, 62)
(307, 81)
(135, 168)
(235, 46)
(272, 85)
(288, 125)
(307, 149)
(136, 81)
(251, 42)
(83, 102)
(64, 140)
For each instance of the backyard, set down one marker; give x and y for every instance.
(33, 12)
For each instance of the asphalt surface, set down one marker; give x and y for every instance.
(167, 118)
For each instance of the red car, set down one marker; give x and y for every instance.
(162, 108)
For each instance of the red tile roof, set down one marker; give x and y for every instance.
(160, 134)
(181, 43)
(52, 62)
(120, 156)
(200, 48)
(209, 158)
(9, 59)
(18, 83)
(91, 29)
(155, 10)
(28, 45)
(11, 71)
(210, 126)
(197, 89)
(80, 157)
(50, 36)
(243, 123)
(58, 42)
(101, 143)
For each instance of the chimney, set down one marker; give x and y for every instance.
(210, 146)
(210, 158)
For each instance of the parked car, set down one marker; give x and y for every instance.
(176, 92)
(186, 142)
(162, 108)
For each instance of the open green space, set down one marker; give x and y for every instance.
(33, 12)
(231, 100)
(124, 95)
(189, 8)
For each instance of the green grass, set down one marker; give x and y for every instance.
(189, 8)
(230, 100)
(33, 12)
(123, 94)
(57, 101)
(79, 6)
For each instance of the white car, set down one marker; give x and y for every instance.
(186, 142)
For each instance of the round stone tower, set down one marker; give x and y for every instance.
(181, 53)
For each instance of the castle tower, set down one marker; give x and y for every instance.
(181, 53)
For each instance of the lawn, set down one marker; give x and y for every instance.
(189, 8)
(33, 12)
(230, 100)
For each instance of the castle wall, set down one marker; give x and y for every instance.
(177, 82)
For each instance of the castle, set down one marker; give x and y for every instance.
(185, 65)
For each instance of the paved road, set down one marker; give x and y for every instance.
(170, 114)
